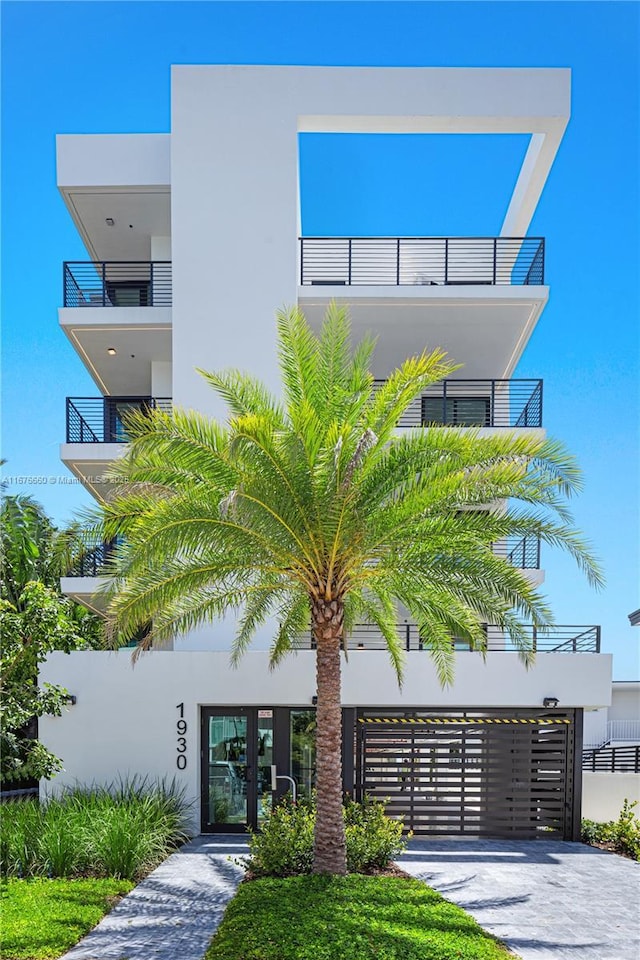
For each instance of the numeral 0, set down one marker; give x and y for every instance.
(181, 761)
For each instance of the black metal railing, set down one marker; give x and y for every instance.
(476, 403)
(521, 552)
(93, 562)
(558, 639)
(426, 261)
(612, 759)
(133, 283)
(104, 419)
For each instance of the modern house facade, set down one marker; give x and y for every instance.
(194, 240)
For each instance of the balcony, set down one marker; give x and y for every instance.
(103, 419)
(96, 430)
(521, 552)
(477, 298)
(423, 261)
(558, 639)
(94, 562)
(476, 403)
(133, 283)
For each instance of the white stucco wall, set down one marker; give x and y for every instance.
(124, 721)
(235, 219)
(604, 793)
(625, 701)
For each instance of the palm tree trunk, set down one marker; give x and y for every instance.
(329, 851)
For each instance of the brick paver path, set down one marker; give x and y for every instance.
(547, 900)
(173, 914)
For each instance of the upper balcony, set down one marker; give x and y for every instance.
(557, 639)
(515, 403)
(421, 261)
(117, 315)
(126, 283)
(478, 298)
(96, 428)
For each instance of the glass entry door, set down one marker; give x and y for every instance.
(237, 753)
(239, 746)
(226, 773)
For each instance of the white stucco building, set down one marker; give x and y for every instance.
(193, 240)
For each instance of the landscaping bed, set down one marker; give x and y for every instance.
(42, 919)
(67, 861)
(356, 917)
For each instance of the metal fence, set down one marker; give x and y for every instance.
(423, 261)
(104, 419)
(558, 639)
(132, 283)
(476, 403)
(612, 760)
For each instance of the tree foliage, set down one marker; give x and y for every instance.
(311, 510)
(41, 623)
(36, 620)
(32, 548)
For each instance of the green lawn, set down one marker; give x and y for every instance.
(41, 919)
(348, 918)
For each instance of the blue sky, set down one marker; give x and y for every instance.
(104, 67)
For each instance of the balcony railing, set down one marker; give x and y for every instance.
(104, 419)
(476, 403)
(133, 283)
(623, 730)
(612, 760)
(521, 552)
(426, 261)
(93, 562)
(558, 639)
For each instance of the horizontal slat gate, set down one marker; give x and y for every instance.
(498, 774)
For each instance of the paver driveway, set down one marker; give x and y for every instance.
(547, 900)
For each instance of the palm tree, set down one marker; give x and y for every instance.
(311, 511)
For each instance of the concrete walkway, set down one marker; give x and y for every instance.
(547, 900)
(173, 914)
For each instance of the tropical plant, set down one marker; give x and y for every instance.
(36, 620)
(41, 623)
(32, 548)
(311, 511)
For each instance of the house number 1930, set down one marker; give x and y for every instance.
(181, 748)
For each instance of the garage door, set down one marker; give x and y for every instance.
(494, 773)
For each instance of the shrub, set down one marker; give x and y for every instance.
(373, 839)
(623, 834)
(284, 847)
(119, 831)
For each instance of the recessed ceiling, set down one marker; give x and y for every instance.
(128, 372)
(138, 214)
